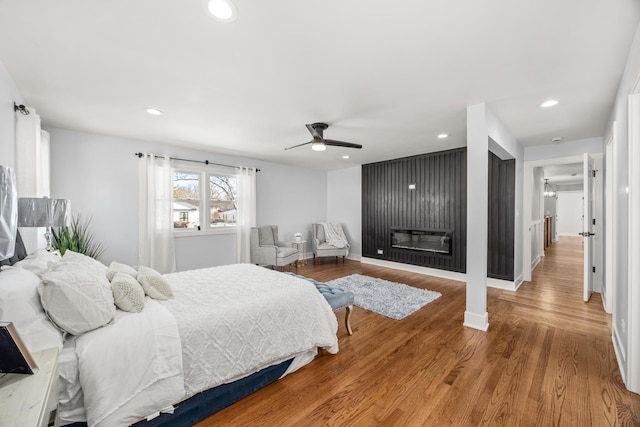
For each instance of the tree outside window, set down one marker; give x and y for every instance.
(194, 202)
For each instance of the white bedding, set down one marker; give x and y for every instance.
(224, 323)
(132, 367)
(237, 319)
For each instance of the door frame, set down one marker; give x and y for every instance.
(633, 283)
(611, 184)
(528, 196)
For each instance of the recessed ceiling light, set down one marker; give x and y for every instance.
(549, 103)
(556, 139)
(222, 10)
(443, 135)
(346, 156)
(154, 111)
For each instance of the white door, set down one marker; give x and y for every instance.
(588, 226)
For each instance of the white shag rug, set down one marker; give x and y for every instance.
(394, 300)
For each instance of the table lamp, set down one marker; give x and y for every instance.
(43, 212)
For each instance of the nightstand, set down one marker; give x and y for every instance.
(302, 258)
(31, 400)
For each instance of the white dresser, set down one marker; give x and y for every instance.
(31, 400)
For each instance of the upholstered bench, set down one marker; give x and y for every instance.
(336, 297)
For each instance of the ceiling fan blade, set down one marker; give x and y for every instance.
(314, 132)
(299, 145)
(341, 144)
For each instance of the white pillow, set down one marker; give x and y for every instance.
(77, 301)
(116, 267)
(20, 304)
(127, 293)
(38, 261)
(89, 263)
(154, 284)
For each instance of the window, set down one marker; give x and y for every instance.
(204, 200)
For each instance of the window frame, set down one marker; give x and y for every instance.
(204, 172)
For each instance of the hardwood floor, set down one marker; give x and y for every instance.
(547, 360)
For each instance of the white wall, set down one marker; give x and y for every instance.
(8, 95)
(344, 205)
(99, 174)
(569, 207)
(619, 115)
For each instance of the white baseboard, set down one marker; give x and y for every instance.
(621, 355)
(445, 274)
(476, 321)
(535, 263)
(507, 285)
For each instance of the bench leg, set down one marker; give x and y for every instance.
(347, 319)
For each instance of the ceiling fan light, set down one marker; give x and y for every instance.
(318, 146)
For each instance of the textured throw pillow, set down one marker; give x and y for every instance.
(154, 284)
(116, 267)
(88, 263)
(127, 293)
(77, 301)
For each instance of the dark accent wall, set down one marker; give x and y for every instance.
(502, 193)
(439, 201)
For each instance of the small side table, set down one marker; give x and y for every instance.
(31, 400)
(302, 258)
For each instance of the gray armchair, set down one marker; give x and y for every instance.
(267, 250)
(322, 248)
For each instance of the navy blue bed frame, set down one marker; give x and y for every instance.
(200, 406)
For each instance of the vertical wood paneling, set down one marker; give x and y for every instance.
(501, 218)
(438, 202)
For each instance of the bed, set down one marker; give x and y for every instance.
(226, 332)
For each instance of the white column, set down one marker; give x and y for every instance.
(476, 315)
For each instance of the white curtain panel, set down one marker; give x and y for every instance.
(246, 182)
(32, 156)
(156, 248)
(32, 168)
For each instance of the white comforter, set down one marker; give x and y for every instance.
(224, 323)
(132, 367)
(237, 319)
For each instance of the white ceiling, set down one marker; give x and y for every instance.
(564, 175)
(387, 75)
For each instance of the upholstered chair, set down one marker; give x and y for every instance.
(266, 249)
(321, 248)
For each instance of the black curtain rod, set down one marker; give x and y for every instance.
(206, 162)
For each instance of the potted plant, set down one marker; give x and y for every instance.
(77, 238)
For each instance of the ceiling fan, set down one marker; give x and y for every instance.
(318, 143)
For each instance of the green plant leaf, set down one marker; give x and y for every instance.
(77, 237)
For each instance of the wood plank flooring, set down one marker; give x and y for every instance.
(547, 360)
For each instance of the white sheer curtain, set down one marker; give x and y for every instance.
(31, 168)
(246, 186)
(156, 249)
